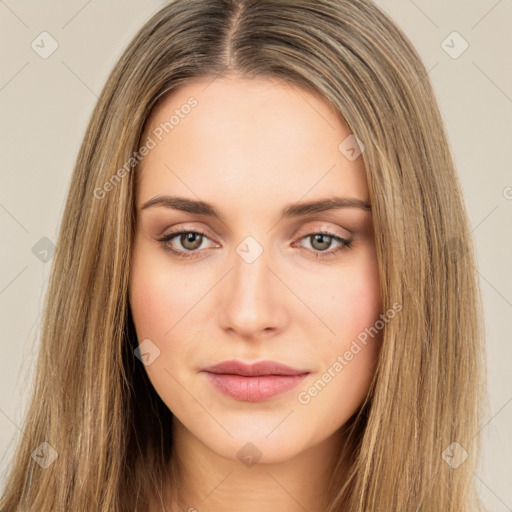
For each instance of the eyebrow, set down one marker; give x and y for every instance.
(292, 210)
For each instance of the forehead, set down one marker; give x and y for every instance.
(247, 140)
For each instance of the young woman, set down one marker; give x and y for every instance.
(263, 295)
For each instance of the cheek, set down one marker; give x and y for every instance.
(355, 300)
(349, 360)
(353, 310)
(166, 305)
(160, 294)
(149, 300)
(156, 308)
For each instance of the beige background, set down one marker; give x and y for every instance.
(45, 105)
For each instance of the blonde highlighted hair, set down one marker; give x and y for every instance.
(92, 401)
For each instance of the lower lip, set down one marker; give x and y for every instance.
(254, 389)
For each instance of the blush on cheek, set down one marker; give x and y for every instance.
(160, 295)
(365, 296)
(354, 312)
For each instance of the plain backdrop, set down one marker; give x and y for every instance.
(46, 101)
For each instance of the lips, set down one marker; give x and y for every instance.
(254, 382)
(257, 369)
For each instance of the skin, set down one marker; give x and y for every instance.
(251, 147)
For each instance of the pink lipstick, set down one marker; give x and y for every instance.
(254, 382)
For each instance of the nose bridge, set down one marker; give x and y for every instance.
(250, 303)
(251, 274)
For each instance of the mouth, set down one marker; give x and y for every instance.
(254, 382)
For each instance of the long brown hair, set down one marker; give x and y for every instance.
(92, 402)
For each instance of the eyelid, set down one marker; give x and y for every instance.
(187, 229)
(304, 231)
(320, 227)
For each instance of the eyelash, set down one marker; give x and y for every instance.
(345, 244)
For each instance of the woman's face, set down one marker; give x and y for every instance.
(252, 284)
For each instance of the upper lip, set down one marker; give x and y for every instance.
(254, 369)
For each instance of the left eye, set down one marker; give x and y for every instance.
(192, 240)
(323, 240)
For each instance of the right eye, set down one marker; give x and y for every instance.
(189, 240)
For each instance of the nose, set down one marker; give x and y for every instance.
(253, 299)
